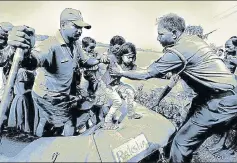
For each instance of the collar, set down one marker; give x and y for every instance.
(60, 38)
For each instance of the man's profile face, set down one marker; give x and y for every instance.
(229, 47)
(72, 31)
(165, 37)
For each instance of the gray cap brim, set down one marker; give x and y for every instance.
(81, 23)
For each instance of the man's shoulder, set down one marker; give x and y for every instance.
(48, 43)
(171, 53)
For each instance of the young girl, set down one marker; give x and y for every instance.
(126, 57)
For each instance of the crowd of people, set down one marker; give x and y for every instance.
(63, 88)
(70, 85)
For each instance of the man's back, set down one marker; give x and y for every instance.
(203, 67)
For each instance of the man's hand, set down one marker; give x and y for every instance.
(22, 37)
(116, 70)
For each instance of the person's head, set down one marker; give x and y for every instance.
(220, 52)
(127, 54)
(71, 24)
(88, 44)
(229, 46)
(5, 27)
(115, 43)
(170, 28)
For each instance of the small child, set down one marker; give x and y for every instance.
(114, 47)
(126, 59)
(103, 95)
(88, 45)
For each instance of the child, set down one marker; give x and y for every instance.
(103, 95)
(114, 46)
(88, 45)
(126, 59)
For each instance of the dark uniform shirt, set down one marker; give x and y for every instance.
(204, 71)
(57, 65)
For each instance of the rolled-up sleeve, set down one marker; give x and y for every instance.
(169, 62)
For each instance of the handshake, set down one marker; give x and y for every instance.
(22, 37)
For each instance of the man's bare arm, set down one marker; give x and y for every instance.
(167, 63)
(141, 74)
(136, 74)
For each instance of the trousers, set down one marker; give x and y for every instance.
(209, 114)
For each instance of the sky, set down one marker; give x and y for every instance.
(134, 20)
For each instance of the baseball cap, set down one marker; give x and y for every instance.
(74, 16)
(6, 26)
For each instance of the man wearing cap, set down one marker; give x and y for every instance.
(6, 52)
(57, 59)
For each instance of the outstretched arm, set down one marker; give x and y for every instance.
(167, 63)
(144, 74)
(137, 74)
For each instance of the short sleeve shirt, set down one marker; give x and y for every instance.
(169, 62)
(56, 66)
(201, 72)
